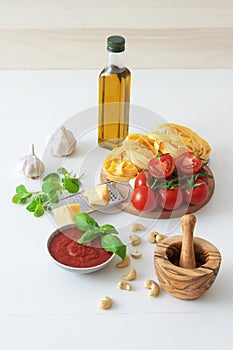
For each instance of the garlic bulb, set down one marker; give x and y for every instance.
(62, 142)
(30, 165)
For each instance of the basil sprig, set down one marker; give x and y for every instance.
(53, 186)
(107, 233)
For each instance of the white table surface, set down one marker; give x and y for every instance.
(45, 307)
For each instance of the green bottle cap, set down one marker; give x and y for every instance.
(115, 43)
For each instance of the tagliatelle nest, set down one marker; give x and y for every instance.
(143, 142)
(176, 139)
(119, 169)
(127, 161)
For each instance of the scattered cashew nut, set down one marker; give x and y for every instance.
(135, 239)
(124, 285)
(131, 275)
(155, 237)
(137, 227)
(153, 286)
(136, 254)
(125, 262)
(152, 236)
(159, 237)
(105, 303)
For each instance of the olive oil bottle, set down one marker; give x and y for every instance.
(114, 96)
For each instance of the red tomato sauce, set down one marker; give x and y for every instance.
(64, 248)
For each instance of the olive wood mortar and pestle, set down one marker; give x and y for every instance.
(186, 266)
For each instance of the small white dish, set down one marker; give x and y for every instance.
(80, 270)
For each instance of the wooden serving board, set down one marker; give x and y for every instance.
(159, 213)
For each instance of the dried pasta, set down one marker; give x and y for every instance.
(125, 162)
(176, 139)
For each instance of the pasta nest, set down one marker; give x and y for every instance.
(127, 161)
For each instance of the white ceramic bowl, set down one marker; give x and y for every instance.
(81, 270)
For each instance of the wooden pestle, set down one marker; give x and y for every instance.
(187, 255)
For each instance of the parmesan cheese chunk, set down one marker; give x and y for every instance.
(98, 195)
(64, 215)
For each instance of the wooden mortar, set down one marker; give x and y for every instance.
(186, 266)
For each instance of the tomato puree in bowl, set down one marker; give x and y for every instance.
(65, 249)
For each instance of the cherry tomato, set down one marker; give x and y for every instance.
(144, 199)
(170, 199)
(142, 179)
(188, 163)
(198, 194)
(203, 178)
(162, 167)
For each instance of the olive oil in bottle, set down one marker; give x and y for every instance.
(114, 96)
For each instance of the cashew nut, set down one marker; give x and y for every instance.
(131, 275)
(105, 303)
(153, 286)
(124, 285)
(135, 239)
(159, 237)
(136, 254)
(137, 227)
(125, 262)
(152, 236)
(155, 237)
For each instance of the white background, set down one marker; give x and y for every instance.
(45, 307)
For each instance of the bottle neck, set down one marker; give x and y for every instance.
(116, 59)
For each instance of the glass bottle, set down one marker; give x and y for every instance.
(114, 96)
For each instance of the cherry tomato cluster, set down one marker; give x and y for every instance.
(169, 182)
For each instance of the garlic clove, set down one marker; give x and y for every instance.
(30, 165)
(62, 142)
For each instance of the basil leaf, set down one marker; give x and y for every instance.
(16, 198)
(25, 196)
(32, 206)
(84, 222)
(108, 229)
(50, 187)
(54, 199)
(39, 210)
(113, 244)
(51, 177)
(21, 198)
(52, 192)
(88, 236)
(70, 184)
(47, 187)
(62, 171)
(76, 181)
(42, 198)
(21, 189)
